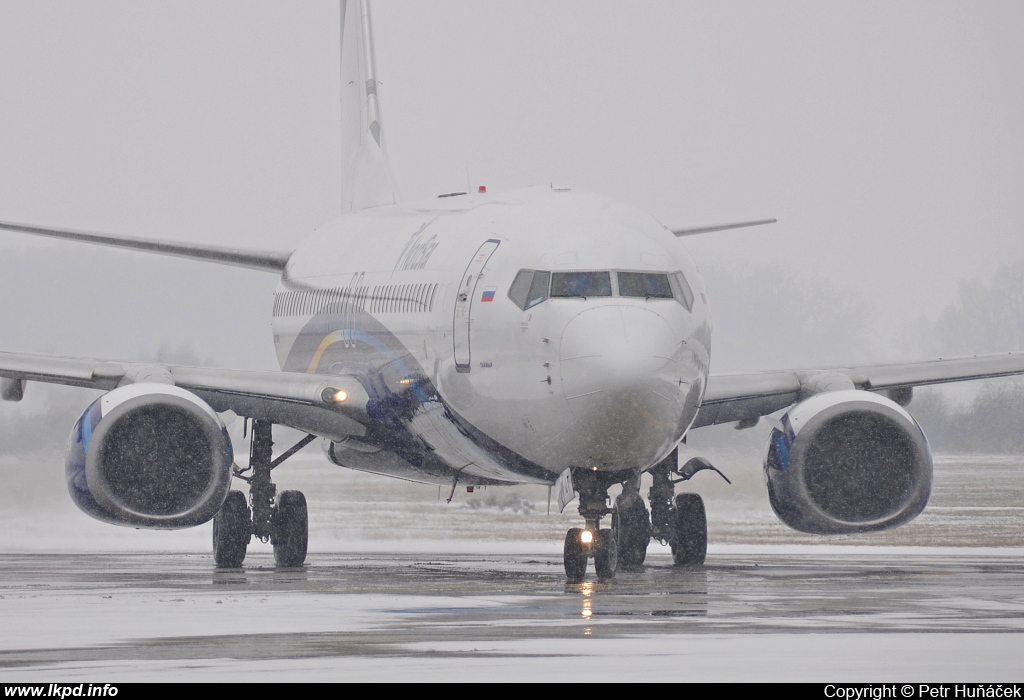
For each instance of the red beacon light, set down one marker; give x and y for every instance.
(482, 189)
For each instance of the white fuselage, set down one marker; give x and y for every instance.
(420, 293)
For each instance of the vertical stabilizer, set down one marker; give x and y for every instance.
(366, 177)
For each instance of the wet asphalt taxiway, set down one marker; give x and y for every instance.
(798, 614)
(476, 591)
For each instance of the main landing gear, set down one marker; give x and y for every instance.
(677, 520)
(632, 525)
(281, 518)
(680, 521)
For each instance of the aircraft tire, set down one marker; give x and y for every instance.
(232, 530)
(290, 529)
(632, 525)
(606, 555)
(689, 530)
(574, 556)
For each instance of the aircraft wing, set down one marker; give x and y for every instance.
(695, 230)
(264, 260)
(307, 402)
(743, 397)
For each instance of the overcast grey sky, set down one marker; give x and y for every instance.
(886, 136)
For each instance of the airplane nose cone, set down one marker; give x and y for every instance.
(612, 347)
(624, 380)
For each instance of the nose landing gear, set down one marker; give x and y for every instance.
(575, 555)
(677, 520)
(581, 544)
(592, 540)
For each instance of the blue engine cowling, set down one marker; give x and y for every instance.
(845, 462)
(149, 455)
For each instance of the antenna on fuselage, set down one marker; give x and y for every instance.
(367, 180)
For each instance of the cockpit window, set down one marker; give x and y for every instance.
(681, 290)
(539, 288)
(529, 288)
(520, 288)
(581, 284)
(644, 284)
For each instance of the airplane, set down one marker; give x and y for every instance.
(545, 335)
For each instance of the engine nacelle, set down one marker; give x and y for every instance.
(848, 461)
(149, 455)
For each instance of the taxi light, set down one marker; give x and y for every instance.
(332, 395)
(586, 537)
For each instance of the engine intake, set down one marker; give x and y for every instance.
(149, 455)
(848, 461)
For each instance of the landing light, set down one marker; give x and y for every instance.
(332, 395)
(586, 537)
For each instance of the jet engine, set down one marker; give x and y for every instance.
(149, 455)
(847, 461)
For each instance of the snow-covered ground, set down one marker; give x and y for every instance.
(977, 501)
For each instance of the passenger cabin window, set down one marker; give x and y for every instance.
(644, 284)
(581, 284)
(417, 298)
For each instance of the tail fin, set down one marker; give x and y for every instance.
(366, 178)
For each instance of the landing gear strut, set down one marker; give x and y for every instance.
(281, 519)
(681, 521)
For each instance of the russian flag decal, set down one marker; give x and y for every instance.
(488, 295)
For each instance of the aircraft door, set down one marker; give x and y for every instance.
(464, 303)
